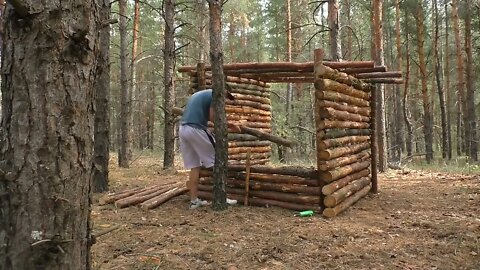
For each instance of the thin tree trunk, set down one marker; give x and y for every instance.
(438, 75)
(348, 12)
(427, 113)
(288, 104)
(124, 149)
(169, 83)
(447, 85)
(216, 58)
(460, 79)
(470, 119)
(334, 33)
(406, 113)
(135, 107)
(378, 56)
(102, 100)
(46, 134)
(399, 143)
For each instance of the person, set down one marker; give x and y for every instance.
(197, 145)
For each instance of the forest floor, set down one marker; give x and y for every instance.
(419, 220)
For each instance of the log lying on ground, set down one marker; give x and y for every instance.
(138, 198)
(338, 184)
(329, 85)
(341, 194)
(330, 176)
(342, 115)
(332, 212)
(329, 154)
(337, 133)
(342, 161)
(324, 72)
(342, 107)
(259, 185)
(264, 202)
(330, 143)
(339, 97)
(329, 124)
(120, 195)
(248, 143)
(266, 136)
(272, 195)
(284, 170)
(162, 198)
(272, 178)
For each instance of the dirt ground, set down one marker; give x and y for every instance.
(419, 220)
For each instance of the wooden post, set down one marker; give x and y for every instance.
(318, 58)
(247, 179)
(201, 80)
(373, 139)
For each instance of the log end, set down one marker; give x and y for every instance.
(329, 201)
(329, 212)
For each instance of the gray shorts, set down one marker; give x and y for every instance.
(196, 148)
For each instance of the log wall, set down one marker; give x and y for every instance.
(342, 118)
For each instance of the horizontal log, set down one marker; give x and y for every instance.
(328, 154)
(388, 74)
(254, 98)
(241, 137)
(246, 110)
(332, 175)
(342, 107)
(272, 178)
(162, 198)
(338, 184)
(252, 162)
(138, 198)
(329, 124)
(340, 195)
(283, 170)
(257, 149)
(353, 71)
(249, 117)
(126, 194)
(259, 185)
(264, 126)
(120, 195)
(273, 195)
(239, 88)
(248, 103)
(266, 136)
(342, 161)
(331, 113)
(325, 72)
(337, 142)
(337, 133)
(330, 85)
(339, 97)
(248, 143)
(385, 80)
(242, 156)
(264, 202)
(332, 212)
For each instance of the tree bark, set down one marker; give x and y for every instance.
(169, 83)
(334, 33)
(398, 127)
(447, 85)
(470, 122)
(216, 58)
(406, 113)
(124, 149)
(47, 130)
(102, 100)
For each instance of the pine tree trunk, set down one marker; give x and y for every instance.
(427, 111)
(47, 130)
(169, 83)
(102, 100)
(124, 149)
(135, 107)
(447, 86)
(334, 33)
(438, 75)
(470, 119)
(399, 128)
(216, 58)
(406, 113)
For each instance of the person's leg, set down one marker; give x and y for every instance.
(192, 183)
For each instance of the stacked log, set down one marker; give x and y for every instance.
(251, 109)
(290, 187)
(342, 116)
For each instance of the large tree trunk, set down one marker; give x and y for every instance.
(438, 75)
(379, 61)
(334, 33)
(47, 130)
(470, 119)
(221, 146)
(460, 86)
(135, 107)
(124, 149)
(169, 82)
(427, 110)
(102, 100)
(447, 85)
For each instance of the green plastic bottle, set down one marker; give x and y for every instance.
(307, 213)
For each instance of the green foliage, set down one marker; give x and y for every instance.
(460, 165)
